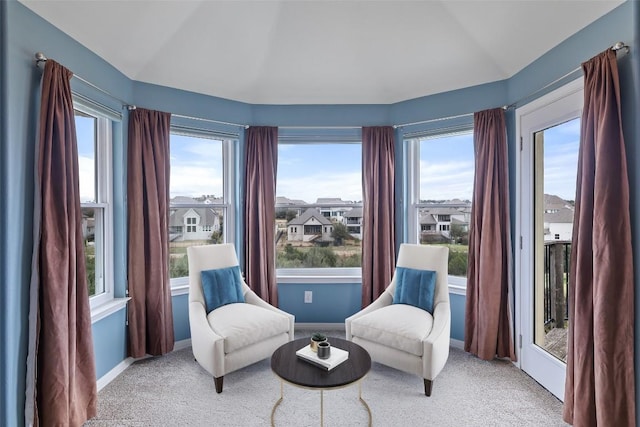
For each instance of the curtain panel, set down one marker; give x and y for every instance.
(600, 386)
(378, 240)
(61, 375)
(487, 325)
(261, 163)
(150, 311)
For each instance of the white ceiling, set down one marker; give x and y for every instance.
(320, 52)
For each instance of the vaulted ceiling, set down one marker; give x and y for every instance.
(320, 52)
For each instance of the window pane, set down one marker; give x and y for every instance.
(93, 234)
(196, 187)
(319, 206)
(555, 170)
(446, 171)
(86, 135)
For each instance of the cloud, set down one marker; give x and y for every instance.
(190, 181)
(449, 180)
(347, 185)
(86, 172)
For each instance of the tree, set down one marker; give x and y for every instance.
(340, 233)
(458, 233)
(291, 214)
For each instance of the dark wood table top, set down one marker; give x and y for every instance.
(290, 368)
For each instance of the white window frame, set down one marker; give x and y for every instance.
(104, 196)
(318, 275)
(457, 284)
(180, 285)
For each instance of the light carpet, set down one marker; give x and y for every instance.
(174, 390)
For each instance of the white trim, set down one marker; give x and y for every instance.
(104, 380)
(548, 110)
(319, 275)
(114, 373)
(457, 290)
(107, 309)
(182, 344)
(182, 289)
(320, 326)
(456, 343)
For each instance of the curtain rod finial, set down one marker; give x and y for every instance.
(620, 46)
(40, 58)
(131, 107)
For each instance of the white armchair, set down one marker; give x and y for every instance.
(402, 336)
(235, 335)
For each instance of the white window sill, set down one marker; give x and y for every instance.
(457, 285)
(107, 309)
(319, 275)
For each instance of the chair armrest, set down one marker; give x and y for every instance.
(436, 344)
(251, 297)
(382, 301)
(207, 346)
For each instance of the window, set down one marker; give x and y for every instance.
(440, 182)
(93, 131)
(201, 206)
(319, 188)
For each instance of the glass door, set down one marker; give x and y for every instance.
(550, 132)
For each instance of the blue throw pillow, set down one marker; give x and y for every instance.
(415, 287)
(221, 286)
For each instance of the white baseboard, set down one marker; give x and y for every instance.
(179, 345)
(113, 374)
(320, 326)
(104, 380)
(456, 343)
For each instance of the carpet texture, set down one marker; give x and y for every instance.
(174, 390)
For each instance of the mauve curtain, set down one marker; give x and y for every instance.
(150, 312)
(61, 363)
(600, 386)
(378, 240)
(487, 328)
(261, 161)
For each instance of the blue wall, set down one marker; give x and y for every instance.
(23, 33)
(331, 303)
(110, 341)
(180, 304)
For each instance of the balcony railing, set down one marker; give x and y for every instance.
(556, 283)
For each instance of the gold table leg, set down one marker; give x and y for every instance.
(275, 406)
(279, 401)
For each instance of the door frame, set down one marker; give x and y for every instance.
(551, 109)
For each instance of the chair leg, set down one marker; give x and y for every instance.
(428, 385)
(218, 381)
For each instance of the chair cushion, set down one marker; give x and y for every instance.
(399, 326)
(244, 324)
(415, 287)
(221, 286)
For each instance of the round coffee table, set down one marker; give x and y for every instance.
(299, 373)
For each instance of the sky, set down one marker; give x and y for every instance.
(85, 132)
(196, 167)
(446, 168)
(311, 171)
(561, 159)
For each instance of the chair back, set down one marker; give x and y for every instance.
(208, 257)
(426, 257)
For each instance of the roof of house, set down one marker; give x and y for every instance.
(281, 200)
(427, 218)
(208, 216)
(307, 215)
(332, 201)
(557, 210)
(354, 213)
